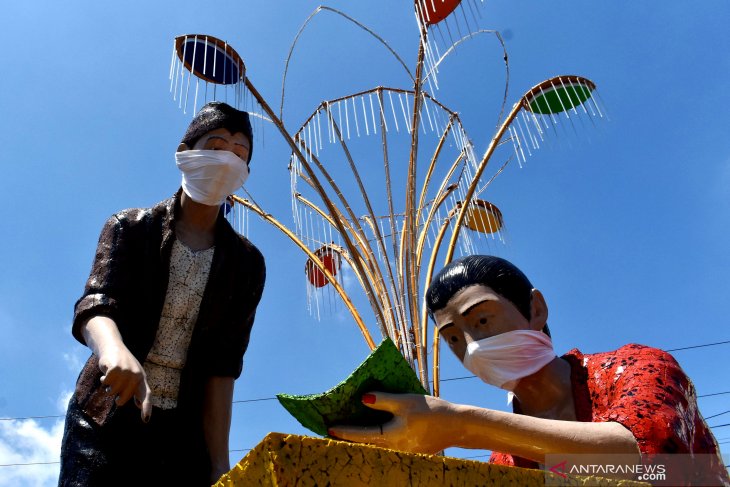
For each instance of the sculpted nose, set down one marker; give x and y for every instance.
(470, 336)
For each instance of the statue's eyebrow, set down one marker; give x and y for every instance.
(471, 307)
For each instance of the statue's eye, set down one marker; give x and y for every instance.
(483, 321)
(454, 339)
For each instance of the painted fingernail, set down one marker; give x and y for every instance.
(368, 398)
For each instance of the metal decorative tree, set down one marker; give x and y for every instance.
(381, 178)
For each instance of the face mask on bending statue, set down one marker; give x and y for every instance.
(502, 360)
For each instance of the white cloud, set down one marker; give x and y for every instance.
(63, 399)
(74, 361)
(31, 450)
(27, 442)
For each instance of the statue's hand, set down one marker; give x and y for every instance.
(422, 424)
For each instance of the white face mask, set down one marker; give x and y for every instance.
(502, 360)
(209, 176)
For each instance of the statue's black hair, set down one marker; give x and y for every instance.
(500, 275)
(216, 115)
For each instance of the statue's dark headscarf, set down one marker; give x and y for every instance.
(500, 275)
(216, 115)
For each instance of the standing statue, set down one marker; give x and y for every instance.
(167, 312)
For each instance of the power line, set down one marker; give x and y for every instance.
(475, 456)
(718, 414)
(254, 400)
(61, 415)
(33, 417)
(697, 346)
(26, 464)
(715, 394)
(249, 449)
(457, 378)
(667, 350)
(240, 401)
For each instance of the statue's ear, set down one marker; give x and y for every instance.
(538, 310)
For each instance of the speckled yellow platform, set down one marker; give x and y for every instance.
(282, 460)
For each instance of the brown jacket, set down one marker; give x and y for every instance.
(128, 283)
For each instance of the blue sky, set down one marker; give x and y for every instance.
(624, 228)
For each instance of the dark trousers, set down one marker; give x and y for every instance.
(127, 451)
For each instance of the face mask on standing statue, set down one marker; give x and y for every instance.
(209, 176)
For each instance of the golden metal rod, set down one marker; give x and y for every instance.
(400, 290)
(366, 92)
(436, 357)
(432, 166)
(374, 226)
(342, 14)
(356, 228)
(360, 237)
(432, 212)
(397, 287)
(385, 295)
(455, 233)
(411, 217)
(372, 90)
(442, 188)
(336, 215)
(340, 250)
(477, 175)
(380, 292)
(367, 257)
(331, 221)
(316, 261)
(318, 187)
(424, 311)
(346, 255)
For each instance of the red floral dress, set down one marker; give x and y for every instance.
(645, 390)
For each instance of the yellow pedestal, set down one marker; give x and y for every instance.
(282, 460)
